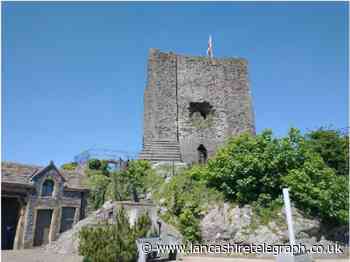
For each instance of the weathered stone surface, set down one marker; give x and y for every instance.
(192, 101)
(68, 242)
(241, 225)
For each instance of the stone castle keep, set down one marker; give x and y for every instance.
(192, 105)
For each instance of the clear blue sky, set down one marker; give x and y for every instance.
(73, 73)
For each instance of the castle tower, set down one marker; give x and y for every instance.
(192, 105)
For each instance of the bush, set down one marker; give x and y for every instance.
(122, 185)
(332, 146)
(186, 198)
(98, 185)
(113, 242)
(119, 187)
(255, 169)
(70, 166)
(94, 164)
(318, 191)
(135, 174)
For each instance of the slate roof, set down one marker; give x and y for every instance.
(16, 173)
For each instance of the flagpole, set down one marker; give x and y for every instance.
(210, 47)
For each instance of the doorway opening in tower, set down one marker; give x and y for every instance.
(200, 108)
(202, 154)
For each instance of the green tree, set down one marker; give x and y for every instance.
(318, 191)
(94, 164)
(135, 173)
(98, 185)
(255, 168)
(333, 147)
(119, 187)
(251, 165)
(99, 165)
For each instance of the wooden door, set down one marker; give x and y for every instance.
(67, 218)
(42, 229)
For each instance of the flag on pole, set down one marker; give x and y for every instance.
(210, 48)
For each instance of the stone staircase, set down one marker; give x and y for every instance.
(161, 151)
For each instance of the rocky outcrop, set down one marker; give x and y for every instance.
(242, 225)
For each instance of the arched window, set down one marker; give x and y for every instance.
(47, 188)
(202, 154)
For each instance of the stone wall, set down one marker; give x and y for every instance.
(224, 85)
(176, 81)
(160, 97)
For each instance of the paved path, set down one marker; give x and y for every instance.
(40, 255)
(226, 259)
(36, 255)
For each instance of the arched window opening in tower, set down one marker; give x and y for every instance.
(202, 154)
(203, 108)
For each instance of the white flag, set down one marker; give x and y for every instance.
(210, 48)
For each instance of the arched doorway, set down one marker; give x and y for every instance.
(202, 154)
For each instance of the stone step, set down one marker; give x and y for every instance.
(162, 143)
(158, 155)
(162, 146)
(148, 155)
(154, 160)
(157, 144)
(157, 160)
(161, 150)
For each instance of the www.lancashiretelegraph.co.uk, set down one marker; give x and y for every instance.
(229, 248)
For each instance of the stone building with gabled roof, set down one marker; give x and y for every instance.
(38, 203)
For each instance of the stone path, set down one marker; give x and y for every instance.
(40, 255)
(36, 255)
(224, 259)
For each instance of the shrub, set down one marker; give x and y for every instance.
(186, 198)
(94, 164)
(70, 166)
(333, 146)
(255, 169)
(143, 226)
(98, 185)
(135, 174)
(122, 185)
(318, 191)
(119, 186)
(113, 242)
